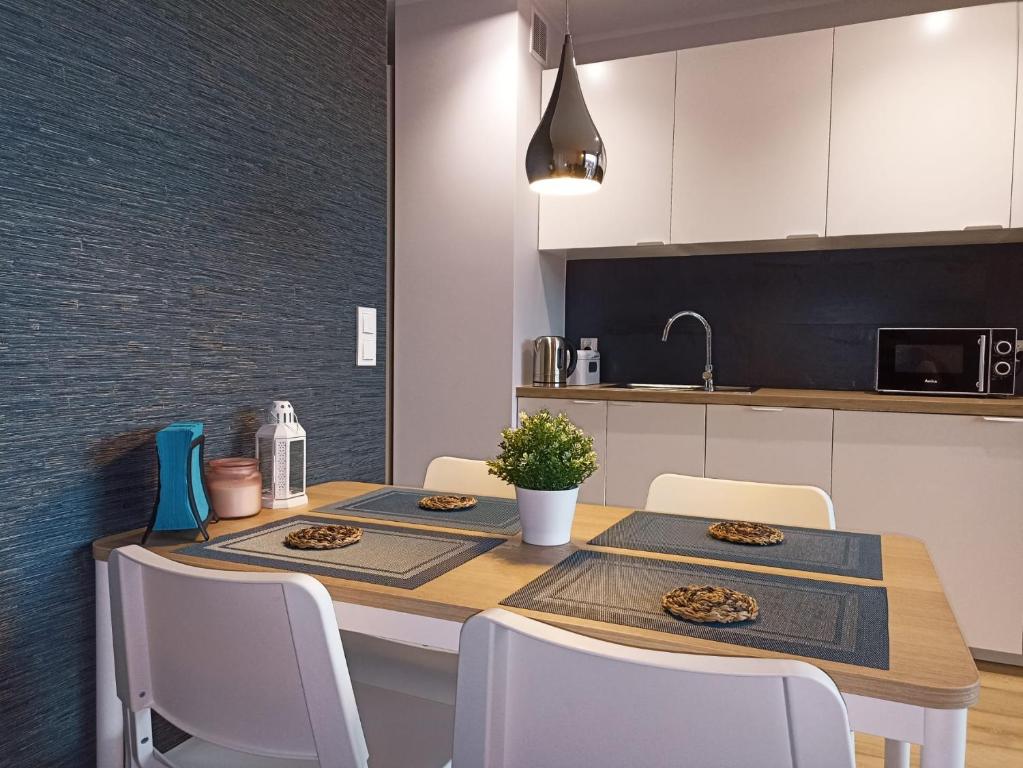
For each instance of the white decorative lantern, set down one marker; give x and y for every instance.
(280, 449)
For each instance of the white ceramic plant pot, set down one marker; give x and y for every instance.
(546, 515)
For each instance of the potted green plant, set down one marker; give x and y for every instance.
(546, 458)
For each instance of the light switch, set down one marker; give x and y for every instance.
(367, 320)
(367, 350)
(366, 343)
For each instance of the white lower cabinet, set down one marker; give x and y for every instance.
(645, 440)
(956, 482)
(591, 417)
(770, 445)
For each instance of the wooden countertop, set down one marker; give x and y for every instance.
(1006, 407)
(930, 664)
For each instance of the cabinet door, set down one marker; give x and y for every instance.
(645, 440)
(957, 483)
(751, 139)
(632, 102)
(922, 126)
(1016, 218)
(591, 417)
(770, 445)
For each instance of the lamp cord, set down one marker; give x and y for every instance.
(566, 17)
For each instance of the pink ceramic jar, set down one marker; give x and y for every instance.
(235, 486)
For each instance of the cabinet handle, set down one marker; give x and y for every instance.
(588, 402)
(802, 236)
(981, 227)
(649, 242)
(1003, 419)
(766, 408)
(621, 404)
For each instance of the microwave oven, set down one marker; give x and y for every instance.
(946, 361)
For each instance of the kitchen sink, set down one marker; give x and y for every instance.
(680, 387)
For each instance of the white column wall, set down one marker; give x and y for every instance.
(539, 277)
(469, 285)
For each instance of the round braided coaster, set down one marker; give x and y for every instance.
(703, 603)
(323, 537)
(739, 532)
(447, 503)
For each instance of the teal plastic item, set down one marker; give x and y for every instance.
(182, 503)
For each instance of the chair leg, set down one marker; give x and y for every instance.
(896, 754)
(139, 739)
(110, 742)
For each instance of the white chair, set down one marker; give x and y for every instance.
(533, 695)
(446, 473)
(799, 505)
(252, 666)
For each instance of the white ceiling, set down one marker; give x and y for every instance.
(606, 29)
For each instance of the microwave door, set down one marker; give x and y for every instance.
(948, 361)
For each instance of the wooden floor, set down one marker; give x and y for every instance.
(995, 738)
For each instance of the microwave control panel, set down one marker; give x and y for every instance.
(1003, 361)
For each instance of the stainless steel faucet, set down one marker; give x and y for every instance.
(708, 369)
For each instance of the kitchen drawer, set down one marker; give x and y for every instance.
(591, 417)
(645, 440)
(769, 444)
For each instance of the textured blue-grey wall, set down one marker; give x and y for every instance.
(192, 204)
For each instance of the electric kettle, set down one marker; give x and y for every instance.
(554, 360)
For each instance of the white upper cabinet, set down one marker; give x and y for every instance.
(922, 122)
(1016, 218)
(632, 104)
(751, 139)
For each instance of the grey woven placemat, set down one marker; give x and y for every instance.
(804, 549)
(391, 555)
(804, 617)
(490, 515)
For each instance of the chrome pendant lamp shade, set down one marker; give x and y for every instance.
(566, 155)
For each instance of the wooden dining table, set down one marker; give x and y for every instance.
(922, 698)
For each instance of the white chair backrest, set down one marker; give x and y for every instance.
(248, 661)
(446, 473)
(800, 505)
(534, 695)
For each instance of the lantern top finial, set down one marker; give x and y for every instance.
(281, 412)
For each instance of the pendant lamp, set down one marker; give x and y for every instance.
(566, 155)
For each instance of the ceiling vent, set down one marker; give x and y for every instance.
(538, 39)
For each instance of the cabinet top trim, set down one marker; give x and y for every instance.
(969, 236)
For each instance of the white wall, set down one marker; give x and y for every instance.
(469, 286)
(539, 277)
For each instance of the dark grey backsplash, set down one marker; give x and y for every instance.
(784, 320)
(192, 204)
